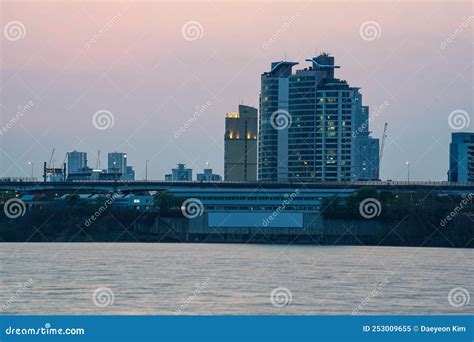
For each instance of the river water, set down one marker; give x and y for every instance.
(203, 279)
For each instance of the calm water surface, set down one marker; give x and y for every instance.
(60, 278)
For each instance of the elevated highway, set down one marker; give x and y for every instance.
(143, 186)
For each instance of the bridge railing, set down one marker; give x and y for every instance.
(18, 179)
(15, 180)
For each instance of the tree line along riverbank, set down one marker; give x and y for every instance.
(390, 218)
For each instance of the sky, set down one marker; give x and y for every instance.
(155, 79)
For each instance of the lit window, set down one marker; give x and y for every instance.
(233, 115)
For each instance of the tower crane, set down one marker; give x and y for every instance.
(65, 158)
(97, 165)
(52, 173)
(51, 158)
(382, 146)
(64, 162)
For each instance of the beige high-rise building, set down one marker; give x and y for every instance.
(240, 140)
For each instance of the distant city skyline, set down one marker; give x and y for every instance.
(155, 80)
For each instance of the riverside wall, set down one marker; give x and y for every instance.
(315, 230)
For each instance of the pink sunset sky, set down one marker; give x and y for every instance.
(134, 60)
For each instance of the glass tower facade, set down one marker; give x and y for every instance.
(273, 138)
(76, 161)
(117, 163)
(461, 158)
(325, 136)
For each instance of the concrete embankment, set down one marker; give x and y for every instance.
(316, 230)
